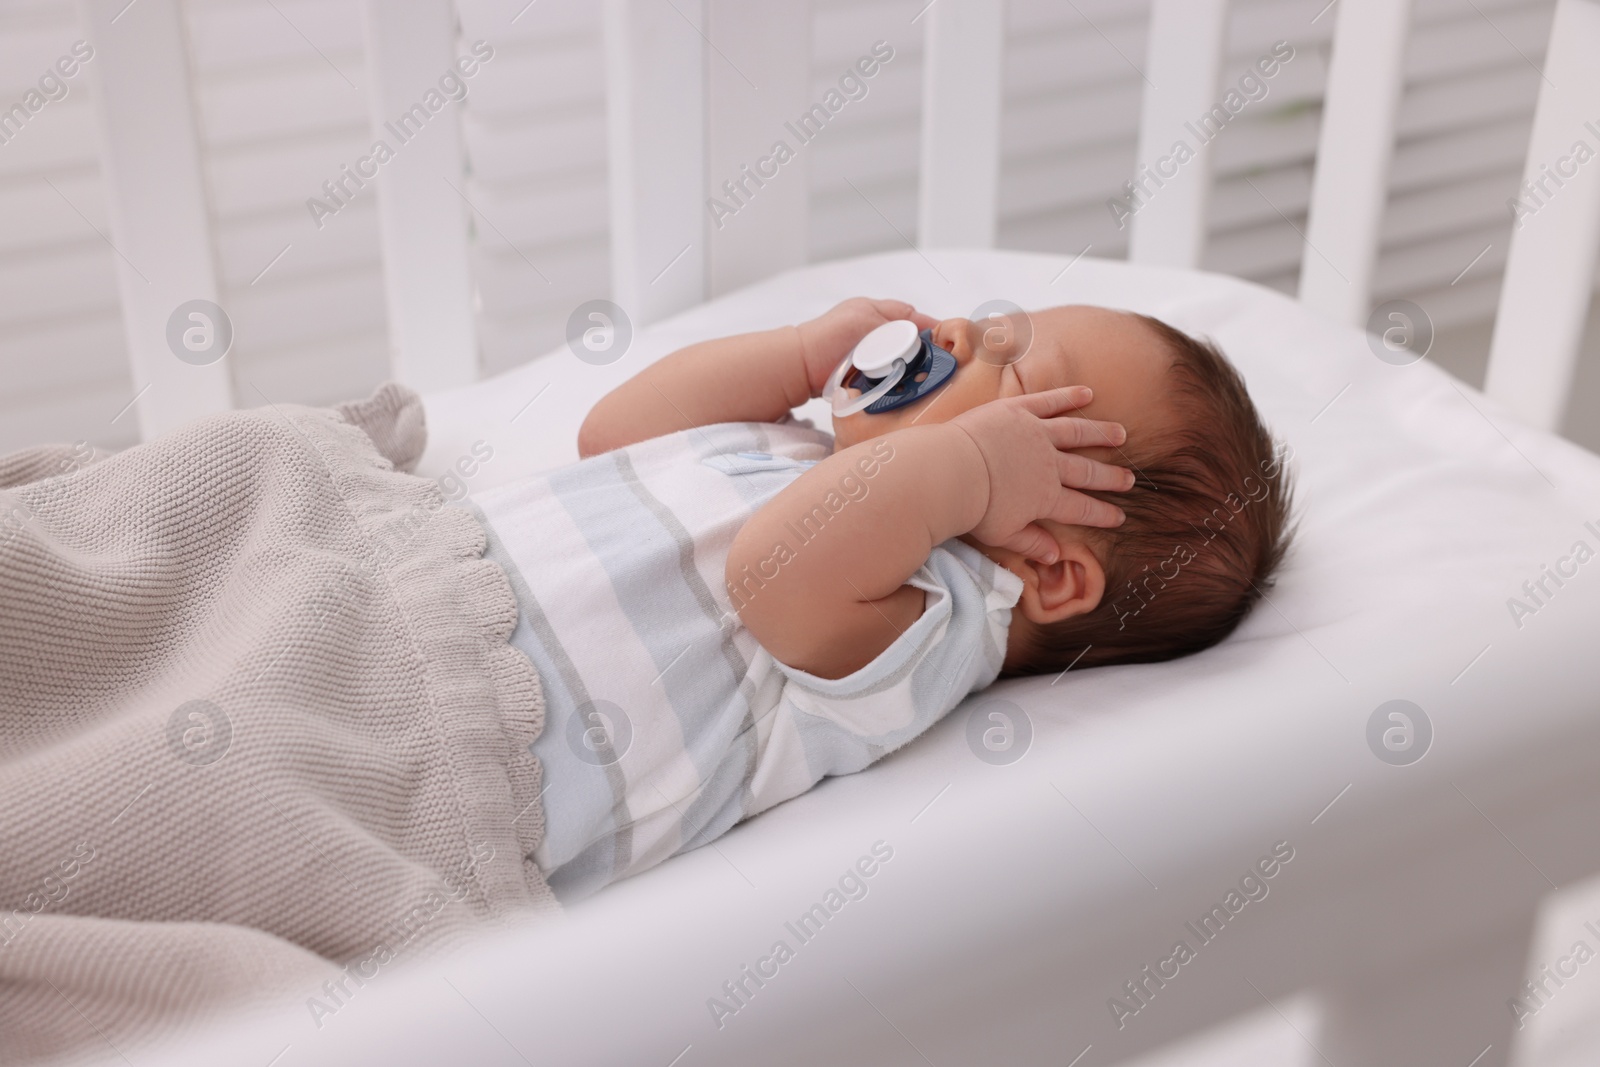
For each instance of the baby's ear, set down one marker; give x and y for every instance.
(1072, 585)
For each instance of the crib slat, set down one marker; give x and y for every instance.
(960, 167)
(1549, 277)
(656, 137)
(1350, 189)
(1167, 195)
(758, 90)
(157, 204)
(422, 215)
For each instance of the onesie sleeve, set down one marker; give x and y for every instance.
(956, 646)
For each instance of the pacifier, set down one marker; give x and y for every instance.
(891, 367)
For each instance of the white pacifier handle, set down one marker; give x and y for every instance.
(883, 355)
(834, 392)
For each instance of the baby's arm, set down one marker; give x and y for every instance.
(753, 377)
(831, 603)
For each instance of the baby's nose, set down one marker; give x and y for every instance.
(956, 336)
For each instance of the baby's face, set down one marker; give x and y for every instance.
(1114, 353)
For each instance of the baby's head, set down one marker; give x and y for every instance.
(1207, 518)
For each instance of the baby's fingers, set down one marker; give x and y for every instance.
(1068, 431)
(899, 309)
(1079, 509)
(1056, 401)
(1034, 542)
(1080, 472)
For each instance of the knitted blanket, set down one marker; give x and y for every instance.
(260, 726)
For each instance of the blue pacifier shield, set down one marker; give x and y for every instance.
(931, 369)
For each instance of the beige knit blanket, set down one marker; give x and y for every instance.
(260, 726)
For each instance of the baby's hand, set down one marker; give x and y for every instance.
(829, 337)
(1032, 475)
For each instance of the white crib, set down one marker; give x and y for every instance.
(681, 117)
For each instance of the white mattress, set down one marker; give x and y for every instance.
(1020, 898)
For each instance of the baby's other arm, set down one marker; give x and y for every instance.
(753, 377)
(819, 574)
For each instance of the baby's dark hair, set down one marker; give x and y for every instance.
(1208, 524)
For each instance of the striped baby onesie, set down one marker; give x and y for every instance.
(666, 721)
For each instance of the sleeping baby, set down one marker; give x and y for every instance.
(744, 605)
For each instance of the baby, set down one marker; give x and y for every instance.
(726, 605)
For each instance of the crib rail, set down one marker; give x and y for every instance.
(1551, 270)
(1183, 69)
(686, 126)
(655, 108)
(151, 154)
(1358, 126)
(421, 212)
(960, 163)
